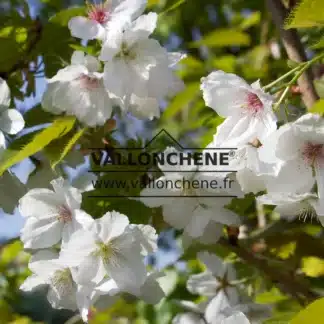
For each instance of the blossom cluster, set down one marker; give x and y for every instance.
(223, 304)
(84, 262)
(286, 161)
(88, 262)
(133, 71)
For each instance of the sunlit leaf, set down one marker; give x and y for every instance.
(223, 38)
(58, 149)
(250, 21)
(181, 100)
(308, 13)
(318, 107)
(313, 266)
(15, 153)
(310, 314)
(272, 296)
(174, 6)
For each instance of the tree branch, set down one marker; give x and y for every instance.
(294, 49)
(24, 61)
(286, 281)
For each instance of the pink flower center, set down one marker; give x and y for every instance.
(65, 214)
(88, 82)
(98, 13)
(313, 153)
(254, 104)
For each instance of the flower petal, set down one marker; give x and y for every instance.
(32, 282)
(204, 284)
(41, 233)
(4, 95)
(84, 28)
(212, 262)
(213, 312)
(40, 203)
(111, 225)
(238, 318)
(11, 121)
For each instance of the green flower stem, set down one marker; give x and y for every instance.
(296, 69)
(303, 68)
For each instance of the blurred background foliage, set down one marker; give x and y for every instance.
(236, 36)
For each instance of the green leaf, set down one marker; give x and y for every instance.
(136, 211)
(151, 3)
(57, 53)
(223, 38)
(285, 251)
(181, 100)
(281, 318)
(319, 86)
(16, 153)
(310, 314)
(254, 63)
(12, 44)
(37, 116)
(269, 297)
(58, 149)
(173, 7)
(251, 20)
(319, 44)
(318, 107)
(20, 34)
(313, 266)
(11, 251)
(63, 17)
(192, 62)
(225, 63)
(308, 13)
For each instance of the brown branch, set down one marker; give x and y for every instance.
(23, 63)
(285, 280)
(294, 49)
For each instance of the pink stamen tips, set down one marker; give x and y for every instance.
(88, 82)
(313, 153)
(65, 214)
(98, 13)
(254, 104)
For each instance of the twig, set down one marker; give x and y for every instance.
(24, 61)
(285, 280)
(294, 49)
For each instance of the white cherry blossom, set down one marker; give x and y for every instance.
(99, 297)
(144, 68)
(238, 318)
(185, 206)
(78, 90)
(248, 110)
(256, 313)
(51, 215)
(146, 236)
(212, 233)
(11, 120)
(106, 292)
(300, 148)
(252, 174)
(290, 205)
(107, 248)
(105, 18)
(216, 279)
(48, 269)
(217, 310)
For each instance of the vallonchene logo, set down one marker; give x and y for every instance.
(144, 160)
